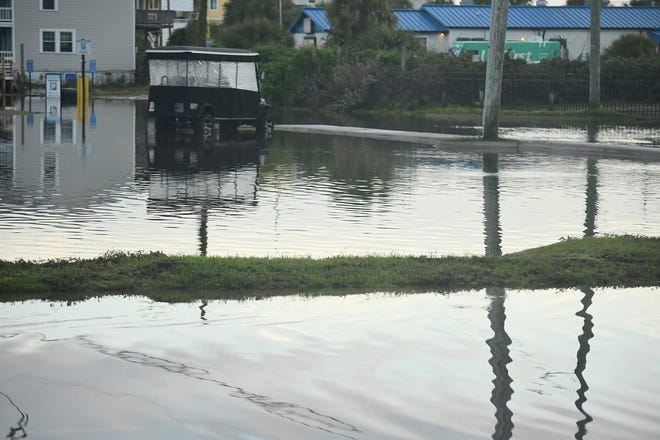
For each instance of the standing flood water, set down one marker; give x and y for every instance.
(517, 364)
(574, 363)
(123, 188)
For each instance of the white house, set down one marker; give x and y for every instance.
(531, 23)
(443, 25)
(46, 32)
(311, 27)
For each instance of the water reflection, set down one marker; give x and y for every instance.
(288, 410)
(583, 350)
(499, 361)
(592, 198)
(184, 175)
(439, 369)
(492, 231)
(500, 342)
(17, 431)
(125, 188)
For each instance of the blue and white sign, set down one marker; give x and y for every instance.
(83, 46)
(29, 66)
(92, 66)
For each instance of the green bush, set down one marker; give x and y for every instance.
(631, 46)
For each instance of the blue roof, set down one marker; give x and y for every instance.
(551, 17)
(630, 18)
(439, 18)
(417, 21)
(318, 18)
(407, 20)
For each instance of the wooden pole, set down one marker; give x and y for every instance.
(594, 55)
(494, 67)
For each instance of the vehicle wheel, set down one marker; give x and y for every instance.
(204, 128)
(265, 126)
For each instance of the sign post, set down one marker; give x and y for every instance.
(92, 69)
(29, 66)
(53, 95)
(83, 47)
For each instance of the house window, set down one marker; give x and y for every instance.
(49, 5)
(56, 41)
(213, 5)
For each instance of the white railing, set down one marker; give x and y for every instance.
(6, 53)
(6, 14)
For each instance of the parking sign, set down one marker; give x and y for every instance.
(84, 46)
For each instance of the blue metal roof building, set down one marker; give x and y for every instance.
(417, 21)
(407, 20)
(439, 26)
(532, 17)
(319, 21)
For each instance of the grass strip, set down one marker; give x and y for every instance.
(620, 261)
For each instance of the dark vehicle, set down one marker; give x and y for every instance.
(199, 86)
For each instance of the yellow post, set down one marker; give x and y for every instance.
(82, 100)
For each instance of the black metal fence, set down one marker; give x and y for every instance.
(624, 92)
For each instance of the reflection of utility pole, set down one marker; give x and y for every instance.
(203, 231)
(499, 359)
(592, 198)
(592, 132)
(583, 350)
(500, 342)
(492, 232)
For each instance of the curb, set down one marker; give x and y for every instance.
(475, 144)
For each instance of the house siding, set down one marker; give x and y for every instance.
(110, 25)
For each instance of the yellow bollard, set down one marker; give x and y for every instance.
(82, 100)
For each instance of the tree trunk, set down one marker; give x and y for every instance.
(494, 67)
(594, 55)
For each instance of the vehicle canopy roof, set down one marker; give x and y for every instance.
(201, 53)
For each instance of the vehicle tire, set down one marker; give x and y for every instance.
(205, 128)
(265, 126)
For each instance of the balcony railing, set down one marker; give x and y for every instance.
(147, 18)
(6, 14)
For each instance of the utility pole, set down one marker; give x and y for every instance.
(495, 65)
(594, 55)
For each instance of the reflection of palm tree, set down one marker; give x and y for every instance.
(583, 350)
(499, 359)
(592, 199)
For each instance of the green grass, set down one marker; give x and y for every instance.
(590, 262)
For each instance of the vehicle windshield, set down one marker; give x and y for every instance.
(201, 73)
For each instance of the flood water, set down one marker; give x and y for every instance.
(124, 188)
(473, 365)
(548, 364)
